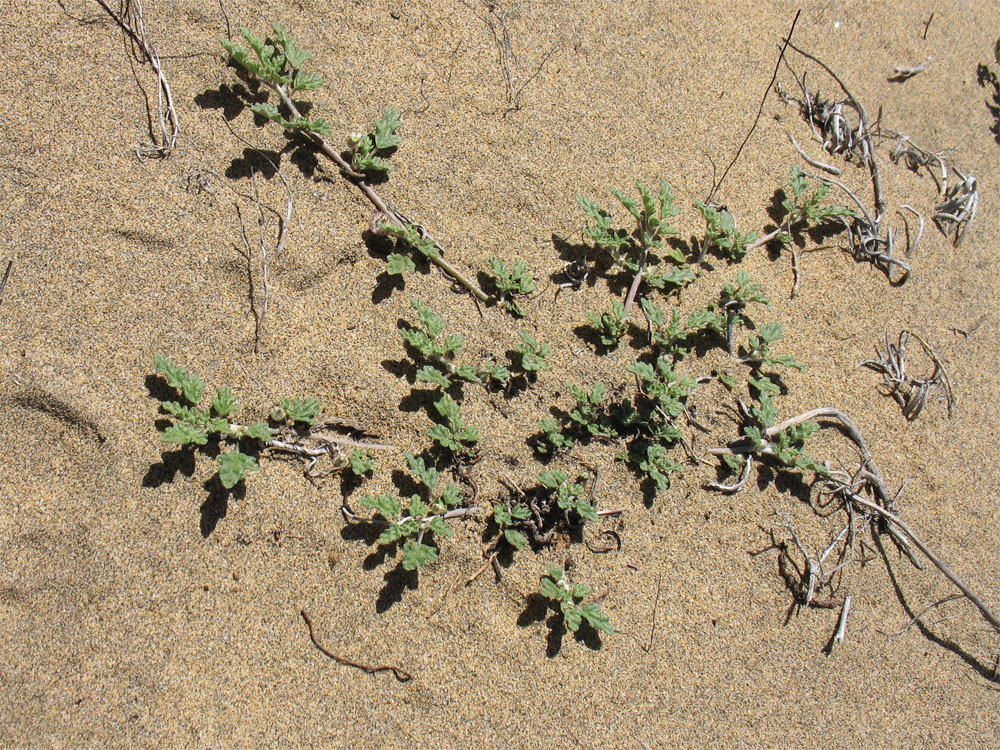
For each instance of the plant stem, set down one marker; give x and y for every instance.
(358, 179)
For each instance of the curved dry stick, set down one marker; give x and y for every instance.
(401, 674)
(929, 554)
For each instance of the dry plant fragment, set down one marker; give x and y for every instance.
(131, 20)
(868, 505)
(958, 209)
(911, 393)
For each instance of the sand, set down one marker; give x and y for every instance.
(140, 606)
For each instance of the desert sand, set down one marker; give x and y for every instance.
(141, 607)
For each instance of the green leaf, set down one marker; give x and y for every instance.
(183, 434)
(224, 402)
(515, 538)
(572, 616)
(260, 431)
(388, 506)
(416, 555)
(439, 526)
(361, 463)
(306, 81)
(233, 467)
(418, 508)
(451, 495)
(399, 531)
(189, 386)
(385, 130)
(597, 619)
(428, 475)
(549, 588)
(397, 263)
(629, 203)
(304, 410)
(428, 374)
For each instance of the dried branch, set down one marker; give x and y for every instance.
(131, 20)
(911, 393)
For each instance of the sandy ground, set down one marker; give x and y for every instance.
(139, 607)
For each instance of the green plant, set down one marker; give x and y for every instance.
(512, 282)
(568, 599)
(451, 433)
(438, 352)
(721, 234)
(277, 65)
(734, 299)
(803, 209)
(674, 336)
(507, 517)
(611, 326)
(369, 151)
(568, 493)
(425, 512)
(760, 349)
(632, 249)
(786, 445)
(195, 426)
(533, 353)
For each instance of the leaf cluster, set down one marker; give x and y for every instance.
(568, 598)
(277, 62)
(370, 152)
(805, 207)
(408, 234)
(193, 425)
(721, 234)
(423, 512)
(451, 432)
(760, 349)
(629, 248)
(512, 282)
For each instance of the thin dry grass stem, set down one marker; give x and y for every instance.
(496, 19)
(921, 613)
(911, 393)
(958, 209)
(284, 219)
(6, 275)
(131, 20)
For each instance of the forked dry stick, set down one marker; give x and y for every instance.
(132, 21)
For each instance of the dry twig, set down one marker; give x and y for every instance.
(131, 20)
(911, 393)
(400, 674)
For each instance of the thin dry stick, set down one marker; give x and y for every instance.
(133, 23)
(760, 109)
(809, 160)
(400, 674)
(928, 553)
(6, 275)
(838, 637)
(652, 629)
